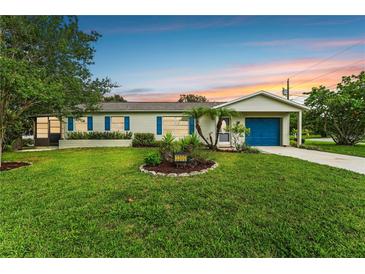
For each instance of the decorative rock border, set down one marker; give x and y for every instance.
(186, 174)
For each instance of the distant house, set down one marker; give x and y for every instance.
(267, 116)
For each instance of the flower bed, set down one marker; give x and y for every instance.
(12, 165)
(177, 158)
(171, 170)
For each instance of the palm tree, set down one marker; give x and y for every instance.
(221, 113)
(213, 113)
(197, 113)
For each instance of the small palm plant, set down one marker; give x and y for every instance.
(168, 147)
(189, 143)
(197, 113)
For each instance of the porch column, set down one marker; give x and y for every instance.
(299, 129)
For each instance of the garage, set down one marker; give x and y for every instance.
(263, 131)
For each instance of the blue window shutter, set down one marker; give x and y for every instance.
(159, 125)
(89, 123)
(107, 123)
(191, 125)
(126, 123)
(70, 123)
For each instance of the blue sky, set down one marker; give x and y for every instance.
(156, 58)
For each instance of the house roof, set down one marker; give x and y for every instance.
(152, 106)
(181, 107)
(264, 93)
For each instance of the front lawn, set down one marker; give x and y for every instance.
(357, 150)
(95, 203)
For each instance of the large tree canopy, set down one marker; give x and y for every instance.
(114, 98)
(44, 68)
(190, 98)
(340, 112)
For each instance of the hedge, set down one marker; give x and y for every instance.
(144, 140)
(95, 135)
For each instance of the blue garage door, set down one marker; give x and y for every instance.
(263, 131)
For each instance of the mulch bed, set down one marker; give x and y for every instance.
(166, 167)
(12, 165)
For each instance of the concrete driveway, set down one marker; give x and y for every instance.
(353, 163)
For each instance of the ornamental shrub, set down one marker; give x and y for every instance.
(97, 135)
(153, 159)
(168, 147)
(144, 140)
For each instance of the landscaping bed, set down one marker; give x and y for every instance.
(166, 167)
(12, 165)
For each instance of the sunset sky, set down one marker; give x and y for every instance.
(156, 58)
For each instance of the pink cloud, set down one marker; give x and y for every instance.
(228, 83)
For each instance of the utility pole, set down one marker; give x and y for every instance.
(286, 90)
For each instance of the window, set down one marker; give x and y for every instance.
(70, 123)
(224, 136)
(178, 126)
(90, 123)
(158, 125)
(54, 125)
(117, 123)
(107, 123)
(42, 127)
(81, 124)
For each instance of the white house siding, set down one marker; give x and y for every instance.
(208, 126)
(146, 122)
(139, 122)
(262, 103)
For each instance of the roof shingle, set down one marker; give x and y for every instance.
(152, 106)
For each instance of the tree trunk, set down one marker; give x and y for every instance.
(211, 141)
(199, 130)
(218, 129)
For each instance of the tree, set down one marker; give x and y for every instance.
(220, 113)
(340, 112)
(192, 98)
(197, 113)
(114, 98)
(44, 68)
(309, 124)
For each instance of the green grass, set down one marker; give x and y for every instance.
(74, 203)
(357, 150)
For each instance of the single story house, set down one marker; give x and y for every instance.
(267, 115)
